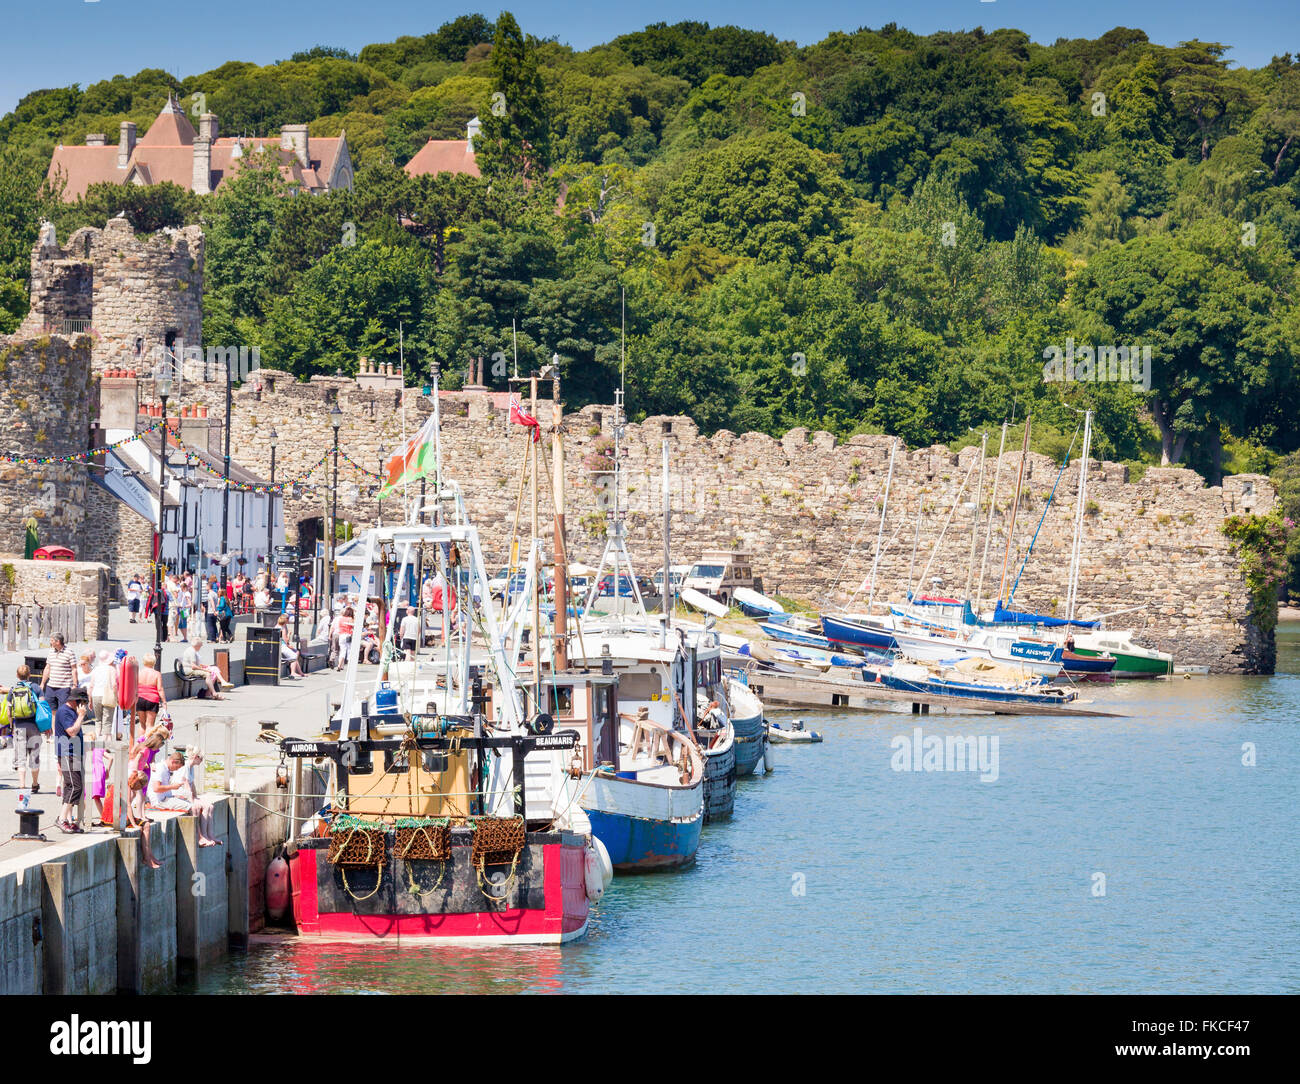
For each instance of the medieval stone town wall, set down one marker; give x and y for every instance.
(44, 413)
(806, 506)
(137, 292)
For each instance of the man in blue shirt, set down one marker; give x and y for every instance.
(70, 748)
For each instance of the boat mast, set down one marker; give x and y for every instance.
(880, 535)
(916, 541)
(975, 526)
(537, 564)
(667, 594)
(560, 641)
(993, 511)
(1015, 508)
(1077, 551)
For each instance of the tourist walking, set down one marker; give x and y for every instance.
(149, 697)
(60, 675)
(134, 592)
(103, 694)
(225, 615)
(70, 748)
(210, 594)
(21, 698)
(184, 603)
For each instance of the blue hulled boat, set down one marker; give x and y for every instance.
(842, 630)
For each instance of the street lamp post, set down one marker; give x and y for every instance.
(336, 419)
(225, 489)
(164, 387)
(270, 507)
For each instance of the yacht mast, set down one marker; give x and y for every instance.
(993, 511)
(1077, 551)
(1015, 508)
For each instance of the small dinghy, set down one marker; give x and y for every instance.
(794, 734)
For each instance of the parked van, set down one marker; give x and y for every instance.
(719, 572)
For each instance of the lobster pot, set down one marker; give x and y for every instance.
(497, 839)
(354, 842)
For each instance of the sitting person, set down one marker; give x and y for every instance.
(711, 724)
(172, 786)
(192, 667)
(288, 653)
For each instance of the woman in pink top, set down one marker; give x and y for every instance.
(149, 697)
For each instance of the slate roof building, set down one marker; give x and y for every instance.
(171, 150)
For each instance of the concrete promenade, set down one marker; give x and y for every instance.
(84, 913)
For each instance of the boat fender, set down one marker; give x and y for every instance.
(277, 889)
(594, 863)
(769, 760)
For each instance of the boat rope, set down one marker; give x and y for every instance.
(506, 885)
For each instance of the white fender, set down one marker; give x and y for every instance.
(606, 866)
(769, 759)
(595, 863)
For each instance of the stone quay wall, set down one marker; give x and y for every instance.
(44, 413)
(806, 507)
(89, 916)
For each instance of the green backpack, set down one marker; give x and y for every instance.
(22, 702)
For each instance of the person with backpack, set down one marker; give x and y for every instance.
(225, 614)
(22, 700)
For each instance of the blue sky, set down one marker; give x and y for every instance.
(48, 43)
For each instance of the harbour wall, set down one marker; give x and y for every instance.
(806, 506)
(91, 917)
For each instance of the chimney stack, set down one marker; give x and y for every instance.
(201, 181)
(208, 127)
(96, 139)
(471, 130)
(125, 144)
(293, 137)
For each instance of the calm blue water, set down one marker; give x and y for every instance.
(928, 882)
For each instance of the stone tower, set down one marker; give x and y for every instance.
(138, 297)
(44, 415)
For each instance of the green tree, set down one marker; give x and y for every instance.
(768, 196)
(515, 140)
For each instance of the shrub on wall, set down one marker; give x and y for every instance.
(1260, 543)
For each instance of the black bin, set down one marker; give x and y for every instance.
(261, 656)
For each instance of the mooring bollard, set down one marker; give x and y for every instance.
(29, 822)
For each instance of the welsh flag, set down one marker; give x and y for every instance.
(413, 462)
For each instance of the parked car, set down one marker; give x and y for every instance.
(606, 586)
